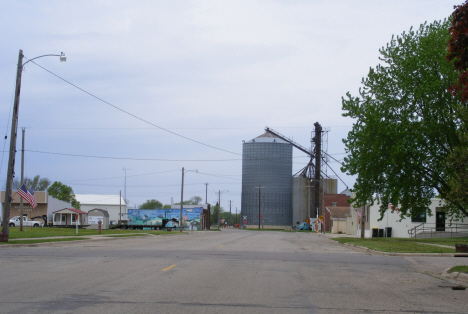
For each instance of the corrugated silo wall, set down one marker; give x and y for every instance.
(267, 165)
(301, 202)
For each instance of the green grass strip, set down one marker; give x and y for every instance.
(48, 232)
(460, 269)
(395, 245)
(42, 240)
(126, 235)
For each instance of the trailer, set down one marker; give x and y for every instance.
(157, 219)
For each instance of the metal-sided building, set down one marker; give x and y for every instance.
(114, 204)
(267, 182)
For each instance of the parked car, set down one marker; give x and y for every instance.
(15, 222)
(303, 226)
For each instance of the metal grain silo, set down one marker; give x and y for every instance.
(267, 182)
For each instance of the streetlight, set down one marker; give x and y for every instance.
(14, 123)
(182, 196)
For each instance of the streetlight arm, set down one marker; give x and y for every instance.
(62, 58)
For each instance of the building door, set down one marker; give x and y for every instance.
(440, 221)
(64, 220)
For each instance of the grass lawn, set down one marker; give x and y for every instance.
(460, 269)
(42, 240)
(443, 241)
(47, 232)
(127, 235)
(396, 245)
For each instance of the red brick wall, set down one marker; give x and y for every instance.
(328, 200)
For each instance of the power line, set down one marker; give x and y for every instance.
(131, 114)
(149, 159)
(120, 177)
(124, 158)
(135, 128)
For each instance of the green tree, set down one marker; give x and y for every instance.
(458, 53)
(37, 183)
(151, 204)
(214, 214)
(194, 200)
(457, 49)
(405, 124)
(63, 192)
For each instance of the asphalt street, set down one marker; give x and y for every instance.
(232, 271)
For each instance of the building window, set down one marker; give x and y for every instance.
(334, 204)
(418, 216)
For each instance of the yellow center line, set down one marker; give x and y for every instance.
(170, 267)
(221, 246)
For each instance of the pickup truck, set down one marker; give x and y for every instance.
(15, 222)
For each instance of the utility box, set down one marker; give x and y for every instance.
(96, 215)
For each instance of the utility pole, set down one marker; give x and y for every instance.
(318, 152)
(230, 213)
(11, 160)
(206, 194)
(259, 195)
(219, 207)
(120, 203)
(181, 201)
(259, 190)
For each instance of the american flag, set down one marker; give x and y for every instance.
(28, 195)
(390, 206)
(358, 212)
(32, 198)
(23, 192)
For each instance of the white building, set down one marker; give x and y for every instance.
(114, 204)
(433, 223)
(434, 213)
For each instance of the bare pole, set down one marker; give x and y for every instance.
(363, 223)
(120, 204)
(206, 193)
(259, 190)
(125, 184)
(219, 207)
(11, 160)
(22, 181)
(181, 201)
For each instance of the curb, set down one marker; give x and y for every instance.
(455, 275)
(374, 252)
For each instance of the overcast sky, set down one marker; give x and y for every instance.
(172, 84)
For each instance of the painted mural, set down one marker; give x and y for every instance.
(154, 217)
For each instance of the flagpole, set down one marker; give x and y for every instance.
(22, 181)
